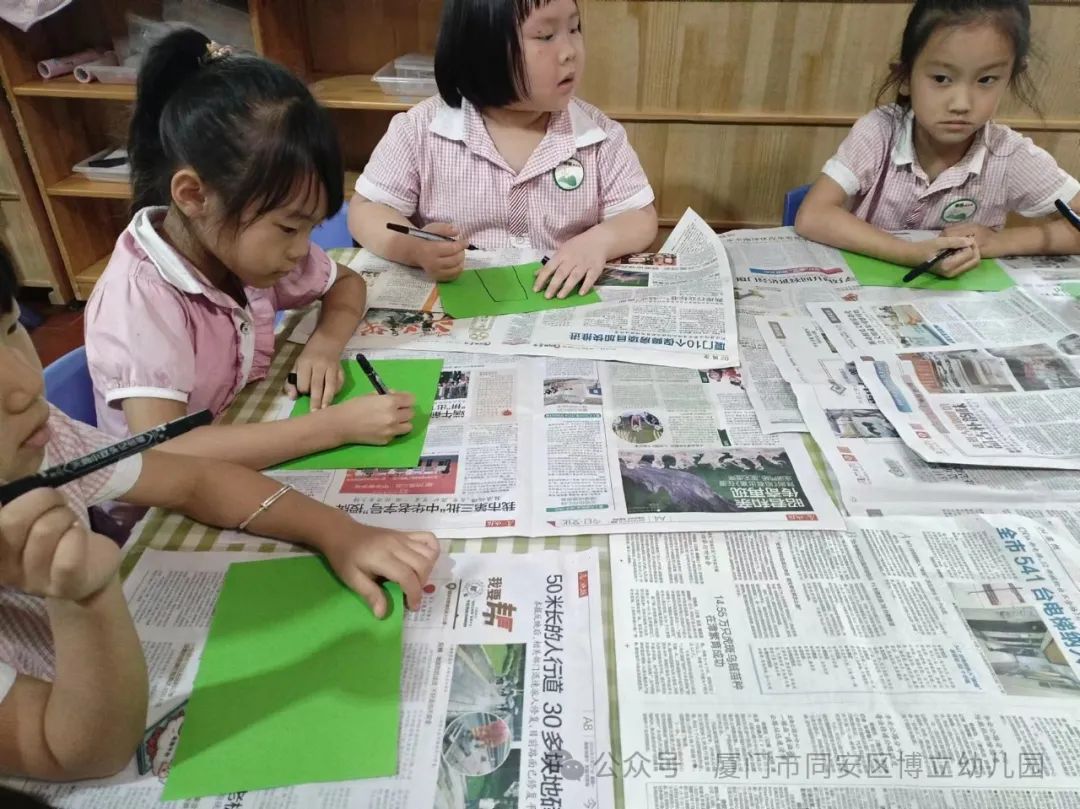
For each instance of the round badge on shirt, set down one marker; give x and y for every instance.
(960, 210)
(569, 174)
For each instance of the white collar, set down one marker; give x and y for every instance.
(903, 152)
(168, 263)
(449, 122)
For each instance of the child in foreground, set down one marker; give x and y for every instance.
(73, 682)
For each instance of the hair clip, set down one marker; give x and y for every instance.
(214, 51)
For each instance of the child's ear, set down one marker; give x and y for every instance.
(188, 193)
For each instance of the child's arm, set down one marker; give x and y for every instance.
(1053, 237)
(440, 261)
(318, 369)
(582, 258)
(89, 720)
(823, 217)
(225, 495)
(365, 420)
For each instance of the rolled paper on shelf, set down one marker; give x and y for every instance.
(82, 72)
(63, 65)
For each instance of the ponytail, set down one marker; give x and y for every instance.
(168, 65)
(248, 127)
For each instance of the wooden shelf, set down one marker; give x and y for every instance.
(67, 87)
(78, 186)
(84, 281)
(361, 93)
(357, 93)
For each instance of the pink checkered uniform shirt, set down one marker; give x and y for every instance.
(439, 164)
(26, 644)
(156, 328)
(1002, 173)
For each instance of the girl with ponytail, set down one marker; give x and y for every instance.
(233, 164)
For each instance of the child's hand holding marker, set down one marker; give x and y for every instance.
(376, 419)
(437, 249)
(986, 239)
(45, 550)
(947, 256)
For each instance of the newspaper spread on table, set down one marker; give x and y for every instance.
(875, 470)
(504, 689)
(678, 313)
(908, 662)
(538, 446)
(777, 273)
(991, 381)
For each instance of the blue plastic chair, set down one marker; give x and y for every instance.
(334, 232)
(68, 386)
(29, 318)
(792, 200)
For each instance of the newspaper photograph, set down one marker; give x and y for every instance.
(641, 271)
(1012, 406)
(992, 382)
(682, 314)
(877, 472)
(960, 320)
(908, 661)
(681, 447)
(503, 679)
(874, 469)
(524, 446)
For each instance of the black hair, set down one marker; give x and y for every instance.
(9, 282)
(478, 54)
(1012, 17)
(249, 128)
(18, 800)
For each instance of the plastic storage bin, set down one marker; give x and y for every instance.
(408, 76)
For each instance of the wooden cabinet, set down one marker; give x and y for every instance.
(24, 225)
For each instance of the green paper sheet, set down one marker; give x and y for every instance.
(1072, 288)
(502, 291)
(988, 276)
(418, 377)
(299, 683)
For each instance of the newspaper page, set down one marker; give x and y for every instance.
(475, 471)
(1032, 269)
(878, 473)
(778, 272)
(631, 445)
(679, 313)
(525, 446)
(929, 323)
(913, 662)
(990, 382)
(503, 681)
(874, 469)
